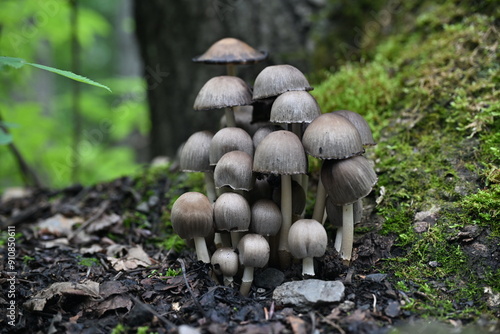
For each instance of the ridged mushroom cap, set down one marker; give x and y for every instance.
(234, 169)
(221, 92)
(232, 213)
(253, 250)
(307, 238)
(266, 218)
(225, 261)
(194, 156)
(334, 212)
(277, 79)
(348, 180)
(360, 123)
(192, 215)
(294, 107)
(230, 51)
(263, 132)
(227, 140)
(332, 136)
(280, 152)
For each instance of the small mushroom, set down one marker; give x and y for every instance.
(277, 79)
(335, 216)
(307, 239)
(192, 218)
(234, 169)
(253, 252)
(360, 123)
(225, 262)
(266, 218)
(227, 140)
(232, 213)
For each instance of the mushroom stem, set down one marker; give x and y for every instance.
(230, 120)
(228, 280)
(246, 281)
(319, 205)
(308, 266)
(201, 249)
(347, 233)
(210, 186)
(217, 240)
(235, 238)
(338, 239)
(286, 212)
(231, 69)
(297, 129)
(225, 239)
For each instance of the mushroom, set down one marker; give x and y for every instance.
(277, 79)
(192, 218)
(225, 262)
(253, 250)
(227, 140)
(266, 218)
(194, 157)
(223, 92)
(232, 213)
(307, 239)
(234, 169)
(361, 124)
(281, 152)
(335, 216)
(346, 181)
(243, 117)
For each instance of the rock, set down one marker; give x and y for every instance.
(429, 216)
(347, 306)
(393, 309)
(269, 278)
(376, 277)
(421, 227)
(304, 294)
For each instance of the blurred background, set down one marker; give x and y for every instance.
(68, 132)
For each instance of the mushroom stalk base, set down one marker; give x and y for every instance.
(286, 213)
(230, 120)
(228, 281)
(246, 281)
(338, 239)
(347, 233)
(201, 249)
(308, 266)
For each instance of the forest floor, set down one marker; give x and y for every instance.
(88, 260)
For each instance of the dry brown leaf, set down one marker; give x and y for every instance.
(114, 303)
(57, 225)
(104, 222)
(38, 301)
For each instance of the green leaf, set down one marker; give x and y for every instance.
(5, 138)
(12, 62)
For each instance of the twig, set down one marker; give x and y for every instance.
(331, 323)
(196, 302)
(89, 221)
(167, 322)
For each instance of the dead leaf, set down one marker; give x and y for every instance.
(38, 301)
(58, 225)
(109, 288)
(135, 257)
(298, 325)
(104, 222)
(114, 303)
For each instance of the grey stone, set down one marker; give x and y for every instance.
(421, 227)
(376, 277)
(307, 293)
(269, 278)
(393, 309)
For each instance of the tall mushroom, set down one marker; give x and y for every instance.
(307, 239)
(253, 252)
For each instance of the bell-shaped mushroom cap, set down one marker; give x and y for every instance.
(232, 213)
(225, 261)
(243, 116)
(194, 156)
(227, 140)
(348, 180)
(231, 51)
(266, 218)
(253, 250)
(263, 132)
(307, 238)
(192, 215)
(334, 212)
(332, 136)
(277, 79)
(221, 92)
(280, 152)
(360, 123)
(234, 169)
(298, 197)
(295, 107)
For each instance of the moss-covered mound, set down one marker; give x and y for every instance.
(431, 92)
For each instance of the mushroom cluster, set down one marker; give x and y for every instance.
(257, 177)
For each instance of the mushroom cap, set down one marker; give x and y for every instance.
(266, 218)
(234, 169)
(227, 140)
(332, 136)
(194, 156)
(232, 213)
(360, 123)
(307, 238)
(277, 79)
(221, 92)
(243, 115)
(225, 261)
(263, 132)
(298, 197)
(192, 215)
(348, 180)
(295, 107)
(231, 51)
(334, 212)
(253, 250)
(280, 152)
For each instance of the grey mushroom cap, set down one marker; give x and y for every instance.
(232, 213)
(221, 92)
(307, 238)
(263, 132)
(225, 261)
(295, 107)
(253, 250)
(192, 215)
(194, 155)
(332, 136)
(231, 51)
(278, 79)
(234, 169)
(280, 152)
(227, 140)
(334, 212)
(348, 180)
(360, 123)
(266, 218)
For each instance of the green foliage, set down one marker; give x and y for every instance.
(88, 261)
(28, 259)
(170, 272)
(119, 329)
